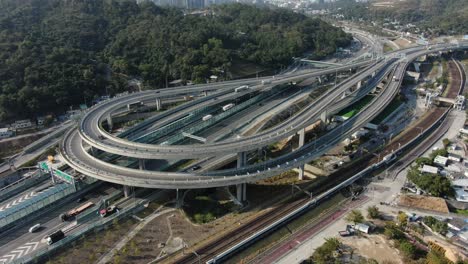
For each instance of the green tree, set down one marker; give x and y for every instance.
(324, 253)
(355, 216)
(373, 212)
(408, 249)
(402, 219)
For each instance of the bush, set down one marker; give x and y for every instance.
(373, 212)
(324, 253)
(408, 249)
(355, 216)
(392, 231)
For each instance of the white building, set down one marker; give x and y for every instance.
(430, 169)
(22, 124)
(5, 133)
(441, 161)
(461, 190)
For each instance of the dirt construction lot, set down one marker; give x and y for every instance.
(373, 247)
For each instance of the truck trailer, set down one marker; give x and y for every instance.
(75, 211)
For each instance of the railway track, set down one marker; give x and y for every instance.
(233, 237)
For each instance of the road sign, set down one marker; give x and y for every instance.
(63, 176)
(43, 166)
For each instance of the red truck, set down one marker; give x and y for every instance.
(106, 211)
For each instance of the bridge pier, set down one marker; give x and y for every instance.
(141, 164)
(128, 190)
(301, 172)
(158, 104)
(324, 117)
(301, 143)
(205, 93)
(241, 190)
(241, 159)
(110, 123)
(359, 84)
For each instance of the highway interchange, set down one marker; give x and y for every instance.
(76, 152)
(91, 132)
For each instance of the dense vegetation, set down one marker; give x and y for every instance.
(435, 185)
(58, 53)
(436, 16)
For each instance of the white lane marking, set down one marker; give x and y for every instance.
(19, 252)
(19, 200)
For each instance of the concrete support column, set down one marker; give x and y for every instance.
(127, 190)
(244, 192)
(359, 84)
(109, 122)
(158, 104)
(141, 164)
(205, 93)
(241, 159)
(373, 74)
(301, 172)
(301, 137)
(241, 190)
(324, 116)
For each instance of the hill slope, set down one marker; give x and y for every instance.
(58, 53)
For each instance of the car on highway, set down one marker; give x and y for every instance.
(196, 167)
(34, 228)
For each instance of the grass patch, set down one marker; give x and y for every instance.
(353, 109)
(394, 104)
(461, 211)
(206, 206)
(387, 48)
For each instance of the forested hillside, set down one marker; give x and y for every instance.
(57, 53)
(439, 17)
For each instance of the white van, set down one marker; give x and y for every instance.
(34, 228)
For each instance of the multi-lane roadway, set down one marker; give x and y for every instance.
(91, 132)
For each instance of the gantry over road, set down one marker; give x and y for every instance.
(79, 146)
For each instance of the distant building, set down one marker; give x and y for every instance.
(461, 190)
(22, 124)
(441, 161)
(429, 169)
(454, 157)
(457, 224)
(5, 133)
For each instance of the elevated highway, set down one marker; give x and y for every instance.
(90, 130)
